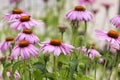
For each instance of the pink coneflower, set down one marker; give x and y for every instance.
(79, 14)
(16, 74)
(86, 1)
(25, 22)
(115, 21)
(102, 60)
(91, 53)
(56, 46)
(6, 44)
(119, 65)
(111, 36)
(15, 1)
(27, 35)
(25, 49)
(107, 5)
(15, 14)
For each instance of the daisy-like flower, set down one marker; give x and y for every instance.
(107, 5)
(91, 53)
(25, 22)
(115, 21)
(111, 36)
(25, 48)
(15, 14)
(56, 46)
(27, 35)
(14, 1)
(79, 13)
(119, 65)
(16, 74)
(86, 1)
(6, 44)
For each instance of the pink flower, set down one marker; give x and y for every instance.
(6, 44)
(25, 22)
(15, 1)
(119, 65)
(15, 14)
(27, 35)
(79, 14)
(91, 53)
(84, 50)
(102, 60)
(25, 49)
(111, 36)
(115, 21)
(16, 74)
(56, 46)
(107, 5)
(86, 1)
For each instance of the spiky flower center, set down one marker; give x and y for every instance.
(79, 8)
(92, 46)
(17, 11)
(27, 31)
(24, 18)
(23, 43)
(55, 42)
(9, 38)
(113, 34)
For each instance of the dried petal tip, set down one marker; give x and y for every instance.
(24, 18)
(55, 42)
(23, 43)
(27, 31)
(9, 38)
(17, 11)
(79, 8)
(113, 34)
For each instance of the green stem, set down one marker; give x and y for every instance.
(95, 71)
(62, 36)
(45, 72)
(85, 28)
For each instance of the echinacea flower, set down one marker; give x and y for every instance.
(15, 14)
(79, 13)
(14, 1)
(25, 22)
(27, 35)
(111, 36)
(56, 46)
(107, 5)
(16, 74)
(115, 21)
(119, 65)
(91, 52)
(6, 44)
(102, 60)
(25, 49)
(86, 1)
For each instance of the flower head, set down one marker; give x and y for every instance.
(91, 52)
(14, 1)
(115, 21)
(56, 46)
(107, 5)
(111, 36)
(27, 35)
(25, 48)
(6, 44)
(15, 14)
(16, 74)
(79, 13)
(86, 1)
(24, 22)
